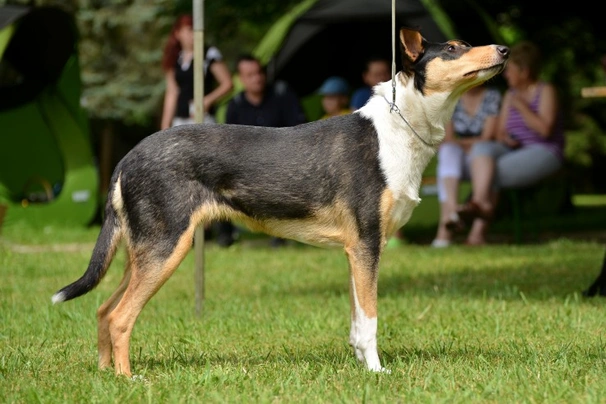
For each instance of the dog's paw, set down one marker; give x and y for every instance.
(139, 379)
(380, 369)
(359, 355)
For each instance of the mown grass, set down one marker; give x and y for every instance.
(497, 324)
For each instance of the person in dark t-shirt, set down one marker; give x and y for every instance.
(260, 104)
(178, 65)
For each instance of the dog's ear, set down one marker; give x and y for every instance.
(412, 47)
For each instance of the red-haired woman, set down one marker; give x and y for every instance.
(177, 64)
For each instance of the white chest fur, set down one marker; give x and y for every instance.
(403, 157)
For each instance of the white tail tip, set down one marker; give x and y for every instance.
(58, 298)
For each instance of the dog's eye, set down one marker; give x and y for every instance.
(457, 45)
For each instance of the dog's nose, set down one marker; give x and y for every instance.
(503, 50)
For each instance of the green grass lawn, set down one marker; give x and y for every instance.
(497, 324)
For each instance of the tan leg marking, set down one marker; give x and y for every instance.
(388, 225)
(147, 275)
(363, 279)
(104, 344)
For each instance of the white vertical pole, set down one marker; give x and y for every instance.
(198, 17)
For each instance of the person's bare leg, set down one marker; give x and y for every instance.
(482, 169)
(448, 207)
(477, 234)
(479, 228)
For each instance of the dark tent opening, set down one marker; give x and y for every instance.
(336, 37)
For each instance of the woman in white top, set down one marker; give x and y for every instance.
(474, 119)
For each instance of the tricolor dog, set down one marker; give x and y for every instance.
(348, 181)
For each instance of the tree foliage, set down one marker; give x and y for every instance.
(120, 52)
(121, 43)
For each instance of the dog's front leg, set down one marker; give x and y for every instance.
(363, 268)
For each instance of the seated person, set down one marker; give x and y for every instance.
(529, 146)
(474, 119)
(335, 97)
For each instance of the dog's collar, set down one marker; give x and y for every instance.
(394, 108)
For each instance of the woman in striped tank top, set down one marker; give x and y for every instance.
(529, 145)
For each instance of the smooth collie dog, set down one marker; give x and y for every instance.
(348, 181)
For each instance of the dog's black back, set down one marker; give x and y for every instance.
(246, 167)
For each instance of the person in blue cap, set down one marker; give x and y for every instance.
(335, 97)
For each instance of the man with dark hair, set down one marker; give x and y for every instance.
(376, 70)
(259, 104)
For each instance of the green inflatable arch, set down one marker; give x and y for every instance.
(47, 168)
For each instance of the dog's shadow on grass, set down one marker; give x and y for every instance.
(320, 355)
(340, 358)
(506, 283)
(540, 282)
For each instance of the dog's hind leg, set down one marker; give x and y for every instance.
(104, 343)
(363, 268)
(150, 269)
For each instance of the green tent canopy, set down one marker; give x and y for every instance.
(47, 169)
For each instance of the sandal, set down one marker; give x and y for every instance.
(471, 210)
(440, 243)
(455, 224)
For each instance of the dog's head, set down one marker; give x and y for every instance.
(452, 67)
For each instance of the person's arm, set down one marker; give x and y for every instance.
(493, 107)
(490, 128)
(170, 100)
(501, 129)
(544, 120)
(449, 134)
(488, 133)
(225, 84)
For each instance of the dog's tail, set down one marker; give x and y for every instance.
(103, 253)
